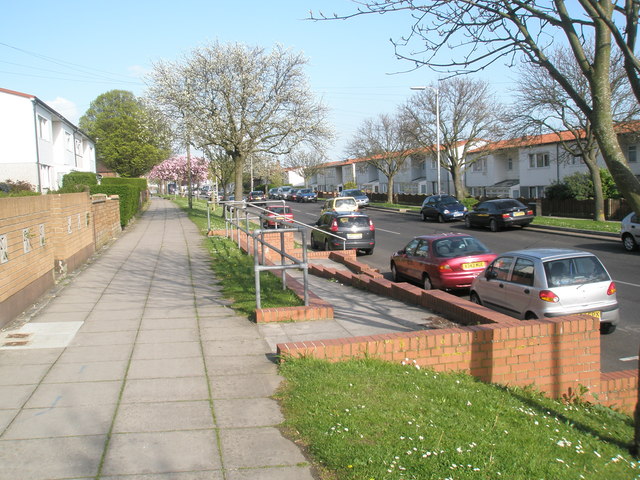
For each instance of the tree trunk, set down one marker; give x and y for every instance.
(390, 189)
(602, 120)
(460, 191)
(238, 161)
(598, 197)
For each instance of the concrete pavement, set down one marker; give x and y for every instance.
(138, 368)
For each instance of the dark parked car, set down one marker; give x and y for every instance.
(499, 213)
(306, 195)
(445, 260)
(442, 208)
(344, 230)
(273, 193)
(257, 197)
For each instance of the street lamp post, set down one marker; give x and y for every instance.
(437, 133)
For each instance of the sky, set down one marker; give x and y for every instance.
(68, 52)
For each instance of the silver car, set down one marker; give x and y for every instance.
(361, 198)
(630, 232)
(548, 282)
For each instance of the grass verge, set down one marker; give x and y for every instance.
(374, 420)
(234, 269)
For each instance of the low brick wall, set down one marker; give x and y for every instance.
(106, 218)
(42, 237)
(556, 355)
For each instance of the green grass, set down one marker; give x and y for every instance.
(577, 223)
(234, 269)
(367, 419)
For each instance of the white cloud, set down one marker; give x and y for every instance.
(66, 108)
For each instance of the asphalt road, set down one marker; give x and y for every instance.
(619, 349)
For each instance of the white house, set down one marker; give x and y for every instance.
(526, 166)
(39, 145)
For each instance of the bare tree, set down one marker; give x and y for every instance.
(221, 167)
(307, 162)
(481, 32)
(550, 109)
(385, 145)
(469, 114)
(243, 100)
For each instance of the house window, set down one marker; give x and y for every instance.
(480, 165)
(510, 164)
(68, 141)
(538, 160)
(434, 164)
(633, 153)
(576, 160)
(44, 129)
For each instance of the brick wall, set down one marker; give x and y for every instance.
(40, 237)
(106, 218)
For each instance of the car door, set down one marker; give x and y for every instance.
(419, 260)
(519, 289)
(402, 261)
(480, 214)
(430, 208)
(491, 284)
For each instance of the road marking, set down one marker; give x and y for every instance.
(627, 283)
(629, 359)
(388, 231)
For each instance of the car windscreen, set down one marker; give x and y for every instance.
(574, 271)
(280, 210)
(459, 247)
(353, 221)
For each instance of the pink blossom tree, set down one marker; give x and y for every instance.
(175, 169)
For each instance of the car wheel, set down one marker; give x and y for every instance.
(368, 251)
(424, 217)
(426, 282)
(629, 243)
(607, 328)
(530, 316)
(474, 298)
(394, 273)
(440, 218)
(493, 225)
(467, 222)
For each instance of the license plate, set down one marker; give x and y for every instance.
(354, 236)
(457, 214)
(473, 265)
(595, 314)
(518, 214)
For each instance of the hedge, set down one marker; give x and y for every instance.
(79, 178)
(129, 198)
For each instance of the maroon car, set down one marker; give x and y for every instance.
(445, 261)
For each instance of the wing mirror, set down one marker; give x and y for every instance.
(490, 275)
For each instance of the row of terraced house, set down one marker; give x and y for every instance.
(520, 167)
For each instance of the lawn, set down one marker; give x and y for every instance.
(367, 419)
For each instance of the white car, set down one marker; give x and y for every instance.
(546, 283)
(630, 232)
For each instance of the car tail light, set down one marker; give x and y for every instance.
(612, 289)
(505, 215)
(444, 267)
(371, 227)
(529, 212)
(334, 225)
(548, 296)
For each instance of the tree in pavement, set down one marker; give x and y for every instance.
(465, 36)
(469, 116)
(384, 143)
(241, 99)
(131, 136)
(551, 109)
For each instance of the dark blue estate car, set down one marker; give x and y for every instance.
(443, 208)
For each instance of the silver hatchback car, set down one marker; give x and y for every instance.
(548, 282)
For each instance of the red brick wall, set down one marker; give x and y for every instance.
(106, 218)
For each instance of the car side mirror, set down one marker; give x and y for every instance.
(490, 275)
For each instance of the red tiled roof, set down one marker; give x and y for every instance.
(20, 94)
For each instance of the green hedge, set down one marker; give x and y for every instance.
(139, 183)
(79, 178)
(129, 199)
